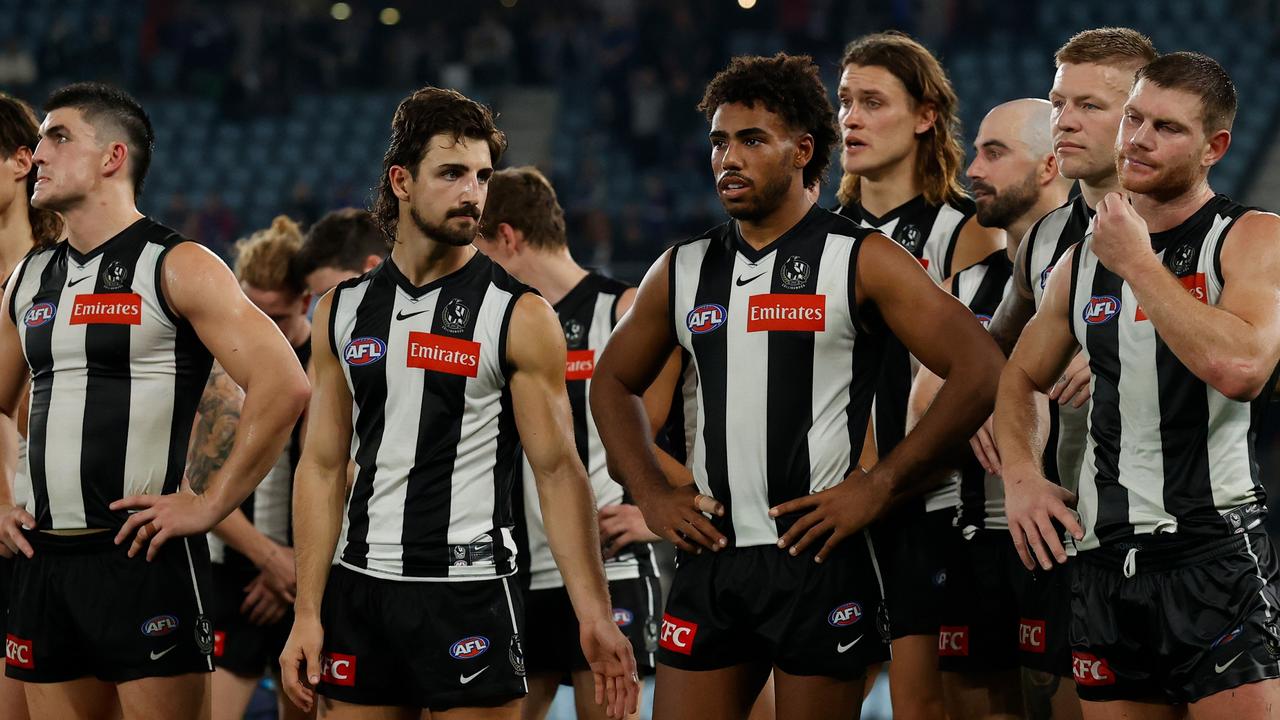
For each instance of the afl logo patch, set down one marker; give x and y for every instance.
(795, 273)
(1044, 276)
(705, 318)
(983, 320)
(40, 314)
(364, 351)
(469, 647)
(1100, 309)
(159, 626)
(845, 615)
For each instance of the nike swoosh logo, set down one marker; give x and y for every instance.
(742, 282)
(78, 280)
(157, 655)
(402, 316)
(841, 648)
(464, 679)
(1222, 668)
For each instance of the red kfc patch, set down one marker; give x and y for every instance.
(338, 669)
(18, 653)
(677, 635)
(1090, 670)
(1031, 635)
(953, 640)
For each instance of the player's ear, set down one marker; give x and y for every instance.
(926, 116)
(511, 238)
(400, 181)
(1216, 147)
(804, 150)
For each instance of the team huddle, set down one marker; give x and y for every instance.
(998, 439)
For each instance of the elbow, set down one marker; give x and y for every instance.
(1241, 380)
(296, 394)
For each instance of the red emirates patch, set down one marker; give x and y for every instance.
(580, 365)
(107, 309)
(440, 353)
(777, 311)
(1194, 284)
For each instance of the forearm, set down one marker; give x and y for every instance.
(567, 503)
(240, 534)
(1020, 420)
(266, 422)
(318, 497)
(624, 429)
(676, 473)
(1010, 317)
(9, 439)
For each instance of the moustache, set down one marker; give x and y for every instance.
(978, 186)
(470, 211)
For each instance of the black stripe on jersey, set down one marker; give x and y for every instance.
(868, 352)
(372, 319)
(1029, 251)
(429, 495)
(40, 357)
(789, 386)
(1104, 417)
(579, 306)
(714, 285)
(951, 246)
(507, 469)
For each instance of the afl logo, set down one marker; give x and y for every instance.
(845, 615)
(159, 626)
(39, 314)
(984, 320)
(1044, 276)
(364, 351)
(469, 647)
(1101, 308)
(623, 617)
(705, 318)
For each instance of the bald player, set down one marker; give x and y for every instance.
(1015, 181)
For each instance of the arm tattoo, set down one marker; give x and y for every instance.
(215, 430)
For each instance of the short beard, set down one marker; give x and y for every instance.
(443, 232)
(1009, 204)
(768, 199)
(1170, 185)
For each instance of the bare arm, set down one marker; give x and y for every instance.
(536, 351)
(14, 374)
(974, 244)
(1232, 346)
(258, 358)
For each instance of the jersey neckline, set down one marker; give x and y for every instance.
(83, 259)
(755, 255)
(417, 292)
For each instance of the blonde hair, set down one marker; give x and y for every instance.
(264, 259)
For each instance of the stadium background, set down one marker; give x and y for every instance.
(283, 106)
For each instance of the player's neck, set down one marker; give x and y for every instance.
(759, 233)
(552, 273)
(422, 260)
(1095, 189)
(891, 188)
(97, 219)
(1046, 203)
(16, 237)
(1164, 215)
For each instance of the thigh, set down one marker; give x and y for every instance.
(231, 694)
(805, 697)
(1049, 695)
(13, 698)
(542, 692)
(992, 695)
(584, 698)
(1254, 701)
(723, 694)
(915, 684)
(83, 699)
(159, 698)
(329, 709)
(507, 711)
(1130, 710)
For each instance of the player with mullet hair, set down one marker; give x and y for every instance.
(115, 330)
(901, 157)
(784, 311)
(431, 372)
(1171, 297)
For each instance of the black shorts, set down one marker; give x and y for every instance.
(240, 646)
(551, 643)
(996, 614)
(910, 545)
(1174, 620)
(759, 604)
(428, 645)
(81, 607)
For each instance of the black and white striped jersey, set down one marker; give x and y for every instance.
(270, 506)
(588, 314)
(115, 376)
(786, 367)
(930, 233)
(435, 442)
(977, 496)
(1166, 452)
(1048, 239)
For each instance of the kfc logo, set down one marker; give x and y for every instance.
(1089, 670)
(677, 635)
(17, 652)
(107, 309)
(1101, 308)
(219, 643)
(580, 364)
(338, 669)
(953, 640)
(1031, 635)
(801, 313)
(454, 356)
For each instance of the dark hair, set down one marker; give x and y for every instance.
(421, 116)
(104, 105)
(19, 129)
(940, 156)
(1201, 76)
(1106, 46)
(523, 198)
(341, 239)
(788, 86)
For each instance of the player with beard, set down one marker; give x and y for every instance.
(902, 159)
(431, 371)
(116, 331)
(1171, 297)
(341, 245)
(1015, 181)
(22, 227)
(784, 311)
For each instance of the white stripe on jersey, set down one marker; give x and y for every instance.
(829, 450)
(152, 369)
